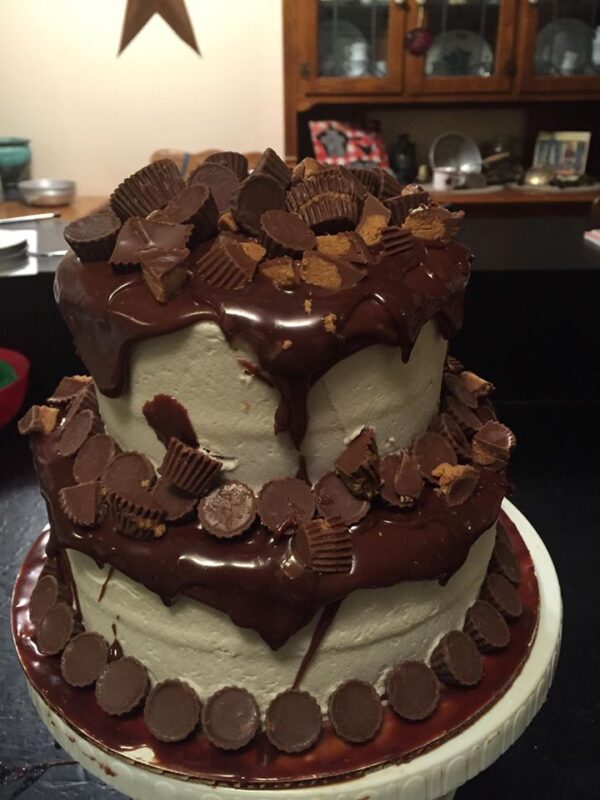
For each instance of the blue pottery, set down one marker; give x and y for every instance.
(15, 157)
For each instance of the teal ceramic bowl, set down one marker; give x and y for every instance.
(15, 157)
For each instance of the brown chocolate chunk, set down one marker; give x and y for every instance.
(138, 235)
(253, 250)
(122, 686)
(305, 169)
(194, 205)
(453, 365)
(401, 205)
(463, 416)
(456, 660)
(236, 162)
(220, 179)
(39, 419)
(84, 659)
(457, 482)
(434, 224)
(355, 711)
(169, 419)
(448, 428)
(165, 271)
(93, 237)
(228, 511)
(401, 482)
(293, 721)
(502, 595)
(486, 412)
(82, 503)
(324, 546)
(226, 265)
(171, 711)
(373, 219)
(346, 245)
(430, 450)
(93, 457)
(413, 690)
(487, 627)
(46, 593)
(138, 516)
(476, 385)
(505, 562)
(270, 164)
(255, 195)
(358, 465)
(396, 241)
(335, 500)
(147, 189)
(458, 388)
(285, 503)
(230, 718)
(76, 432)
(176, 505)
(192, 470)
(128, 474)
(317, 269)
(493, 444)
(284, 232)
(281, 272)
(54, 629)
(68, 388)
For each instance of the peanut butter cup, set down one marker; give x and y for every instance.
(466, 419)
(138, 235)
(165, 271)
(54, 629)
(190, 469)
(457, 482)
(326, 272)
(460, 390)
(193, 205)
(505, 562)
(430, 450)
(84, 659)
(436, 225)
(75, 432)
(230, 718)
(171, 711)
(147, 189)
(270, 164)
(324, 546)
(345, 245)
(137, 516)
(334, 499)
(283, 232)
(226, 265)
(487, 627)
(282, 272)
(128, 473)
(169, 419)
(46, 593)
(413, 690)
(498, 591)
(39, 419)
(93, 238)
(456, 660)
(493, 444)
(373, 220)
(82, 503)
(358, 464)
(220, 179)
(94, 455)
(236, 162)
(67, 389)
(396, 241)
(255, 195)
(293, 721)
(228, 511)
(122, 686)
(176, 505)
(355, 711)
(285, 503)
(449, 429)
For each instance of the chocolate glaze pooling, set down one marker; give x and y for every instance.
(108, 313)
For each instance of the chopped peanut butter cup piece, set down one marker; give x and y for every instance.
(169, 419)
(253, 250)
(226, 265)
(476, 385)
(457, 482)
(54, 629)
(396, 241)
(435, 224)
(447, 427)
(358, 465)
(139, 235)
(457, 661)
(257, 194)
(128, 473)
(86, 399)
(285, 503)
(165, 271)
(236, 162)
(401, 205)
(453, 365)
(466, 419)
(413, 690)
(220, 179)
(171, 711)
(324, 546)
(486, 412)
(270, 164)
(281, 272)
(122, 686)
(369, 178)
(68, 389)
(401, 481)
(84, 659)
(487, 627)
(176, 505)
(147, 189)
(334, 499)
(82, 503)
(502, 595)
(505, 562)
(228, 511)
(373, 219)
(305, 169)
(284, 232)
(492, 444)
(76, 432)
(194, 205)
(317, 269)
(230, 718)
(192, 470)
(430, 450)
(93, 238)
(227, 223)
(355, 711)
(138, 516)
(293, 721)
(454, 385)
(39, 419)
(94, 455)
(46, 593)
(347, 245)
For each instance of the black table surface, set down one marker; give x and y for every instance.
(556, 476)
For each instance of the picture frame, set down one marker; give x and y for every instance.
(563, 152)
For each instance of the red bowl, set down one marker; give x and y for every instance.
(11, 396)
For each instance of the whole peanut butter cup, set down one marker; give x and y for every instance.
(228, 511)
(283, 232)
(83, 659)
(220, 179)
(46, 593)
(194, 205)
(93, 238)
(169, 419)
(501, 594)
(190, 469)
(54, 629)
(76, 432)
(324, 546)
(128, 474)
(82, 503)
(430, 450)
(457, 661)
(505, 562)
(138, 516)
(93, 457)
(293, 721)
(334, 499)
(226, 265)
(487, 627)
(177, 505)
(285, 503)
(256, 195)
(230, 718)
(355, 711)
(270, 164)
(413, 690)
(147, 189)
(236, 162)
(122, 686)
(171, 711)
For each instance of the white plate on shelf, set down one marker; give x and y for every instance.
(564, 47)
(459, 52)
(347, 55)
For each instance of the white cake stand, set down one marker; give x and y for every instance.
(436, 774)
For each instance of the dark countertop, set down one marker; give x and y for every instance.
(555, 472)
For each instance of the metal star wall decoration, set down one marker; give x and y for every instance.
(174, 13)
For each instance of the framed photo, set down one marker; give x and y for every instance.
(564, 152)
(346, 143)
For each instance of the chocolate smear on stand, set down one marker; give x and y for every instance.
(93, 457)
(487, 627)
(76, 432)
(230, 718)
(355, 711)
(220, 179)
(190, 469)
(46, 593)
(228, 511)
(169, 418)
(413, 690)
(122, 686)
(456, 660)
(84, 658)
(501, 594)
(82, 503)
(128, 473)
(171, 711)
(358, 465)
(54, 629)
(430, 450)
(334, 499)
(293, 721)
(285, 503)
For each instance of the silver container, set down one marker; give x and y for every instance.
(47, 192)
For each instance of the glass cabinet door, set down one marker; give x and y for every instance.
(355, 46)
(561, 45)
(461, 46)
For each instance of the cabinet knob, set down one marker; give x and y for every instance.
(304, 70)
